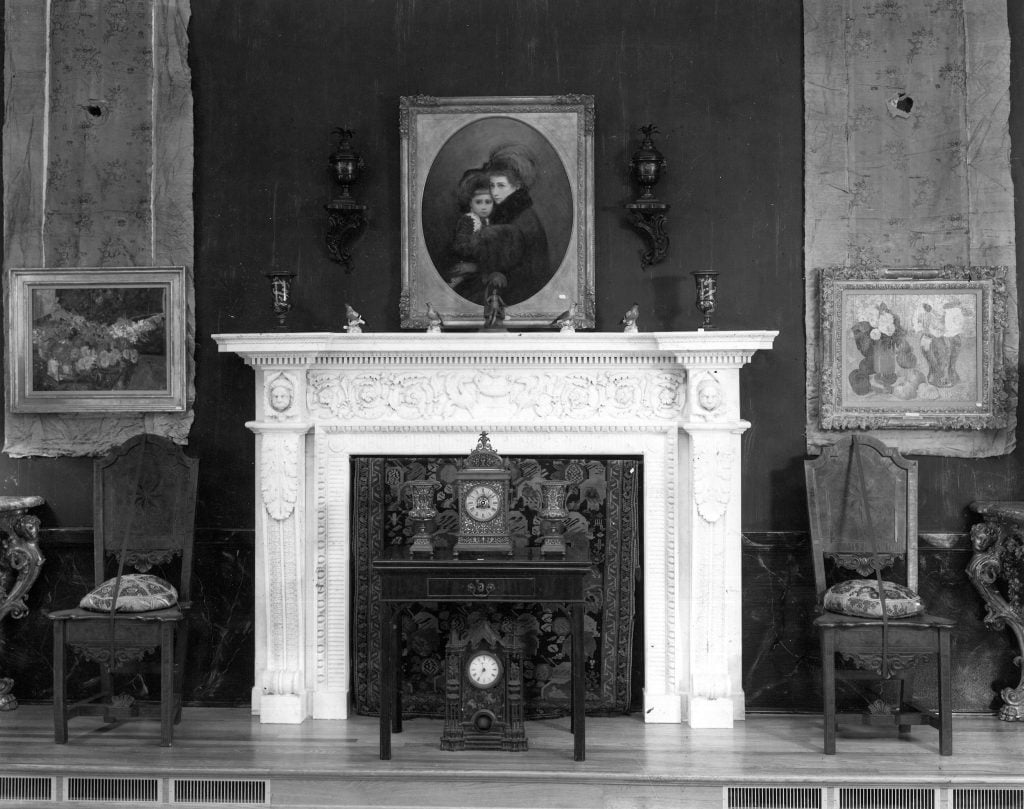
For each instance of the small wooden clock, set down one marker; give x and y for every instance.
(483, 691)
(482, 485)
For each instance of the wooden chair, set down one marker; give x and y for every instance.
(144, 499)
(862, 503)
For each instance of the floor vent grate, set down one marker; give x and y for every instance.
(190, 790)
(773, 798)
(112, 790)
(984, 798)
(886, 798)
(25, 788)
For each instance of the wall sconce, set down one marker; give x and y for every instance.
(647, 213)
(346, 218)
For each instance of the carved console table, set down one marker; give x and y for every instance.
(999, 541)
(20, 561)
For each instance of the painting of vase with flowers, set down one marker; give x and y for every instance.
(922, 351)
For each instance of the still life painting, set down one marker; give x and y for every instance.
(923, 350)
(96, 339)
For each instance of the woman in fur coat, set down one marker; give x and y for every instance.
(514, 247)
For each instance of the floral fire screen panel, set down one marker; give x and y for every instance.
(603, 505)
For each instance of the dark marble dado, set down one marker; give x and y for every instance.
(781, 661)
(780, 652)
(220, 651)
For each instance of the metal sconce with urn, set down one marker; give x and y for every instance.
(647, 212)
(346, 218)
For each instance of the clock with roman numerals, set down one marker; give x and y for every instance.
(482, 487)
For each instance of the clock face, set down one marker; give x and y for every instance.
(482, 503)
(483, 669)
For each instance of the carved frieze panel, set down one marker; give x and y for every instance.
(526, 395)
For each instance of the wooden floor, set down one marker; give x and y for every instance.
(226, 757)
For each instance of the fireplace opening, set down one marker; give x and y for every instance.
(605, 504)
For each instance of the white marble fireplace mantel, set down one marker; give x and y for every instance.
(670, 397)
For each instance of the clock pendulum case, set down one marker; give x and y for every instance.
(482, 485)
(483, 690)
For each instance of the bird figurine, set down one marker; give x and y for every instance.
(434, 321)
(355, 320)
(630, 318)
(566, 321)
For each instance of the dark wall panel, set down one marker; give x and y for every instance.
(721, 81)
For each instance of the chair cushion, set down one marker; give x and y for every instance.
(859, 597)
(140, 592)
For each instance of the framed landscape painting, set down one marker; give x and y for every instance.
(96, 340)
(914, 349)
(497, 188)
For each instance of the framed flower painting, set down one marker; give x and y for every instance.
(497, 210)
(914, 349)
(96, 340)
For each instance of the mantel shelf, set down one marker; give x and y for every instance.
(268, 345)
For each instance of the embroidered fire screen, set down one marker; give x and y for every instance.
(603, 502)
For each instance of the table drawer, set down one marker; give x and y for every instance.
(481, 587)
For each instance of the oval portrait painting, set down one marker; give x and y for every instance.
(497, 200)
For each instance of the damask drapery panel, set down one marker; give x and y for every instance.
(98, 160)
(918, 180)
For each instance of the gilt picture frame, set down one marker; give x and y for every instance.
(905, 349)
(541, 240)
(96, 340)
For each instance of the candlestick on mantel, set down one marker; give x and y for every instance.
(707, 289)
(281, 293)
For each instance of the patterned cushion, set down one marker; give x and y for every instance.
(859, 597)
(139, 592)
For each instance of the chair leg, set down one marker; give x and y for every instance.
(945, 694)
(180, 648)
(828, 687)
(60, 716)
(906, 696)
(166, 683)
(107, 689)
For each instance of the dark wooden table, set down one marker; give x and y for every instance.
(524, 577)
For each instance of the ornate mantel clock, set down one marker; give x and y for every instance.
(483, 691)
(482, 492)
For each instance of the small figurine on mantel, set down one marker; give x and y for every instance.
(566, 321)
(630, 319)
(354, 319)
(494, 309)
(434, 321)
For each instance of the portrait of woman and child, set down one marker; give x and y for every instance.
(485, 232)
